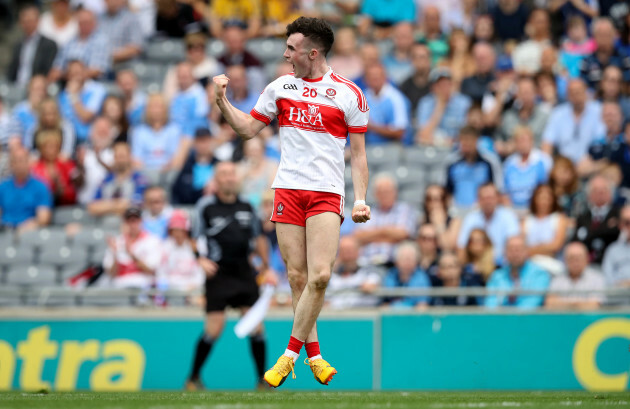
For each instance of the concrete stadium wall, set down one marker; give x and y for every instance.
(372, 351)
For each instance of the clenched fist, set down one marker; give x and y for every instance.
(220, 85)
(361, 213)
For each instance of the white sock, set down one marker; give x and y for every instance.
(318, 356)
(291, 355)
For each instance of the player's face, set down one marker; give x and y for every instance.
(296, 54)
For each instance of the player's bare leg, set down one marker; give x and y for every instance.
(292, 243)
(320, 254)
(215, 322)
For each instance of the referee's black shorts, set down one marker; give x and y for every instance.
(225, 290)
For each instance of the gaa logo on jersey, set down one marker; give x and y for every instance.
(331, 92)
(279, 209)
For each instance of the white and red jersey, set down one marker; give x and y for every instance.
(315, 117)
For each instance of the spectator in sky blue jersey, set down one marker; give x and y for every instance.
(189, 106)
(389, 109)
(606, 54)
(81, 99)
(470, 168)
(156, 142)
(406, 273)
(518, 274)
(525, 169)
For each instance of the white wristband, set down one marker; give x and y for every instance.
(359, 202)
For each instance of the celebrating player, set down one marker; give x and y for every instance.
(317, 110)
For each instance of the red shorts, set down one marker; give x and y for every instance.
(295, 206)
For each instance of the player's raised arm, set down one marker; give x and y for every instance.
(360, 174)
(245, 125)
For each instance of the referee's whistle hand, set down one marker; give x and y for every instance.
(209, 267)
(361, 213)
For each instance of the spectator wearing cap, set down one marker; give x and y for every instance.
(477, 84)
(598, 225)
(442, 112)
(524, 112)
(519, 273)
(470, 168)
(34, 53)
(59, 23)
(579, 277)
(573, 125)
(95, 159)
(25, 202)
(527, 54)
(451, 275)
(510, 18)
(91, 47)
(155, 142)
(392, 222)
(178, 269)
(197, 171)
(525, 169)
(499, 222)
(122, 187)
(156, 211)
(417, 85)
(204, 66)
(605, 54)
(406, 274)
(234, 38)
(81, 99)
(348, 275)
(132, 257)
(499, 95)
(123, 31)
(189, 106)
(135, 100)
(389, 109)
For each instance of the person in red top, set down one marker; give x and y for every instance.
(60, 175)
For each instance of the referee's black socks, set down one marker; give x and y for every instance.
(257, 343)
(201, 354)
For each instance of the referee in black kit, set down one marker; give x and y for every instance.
(228, 232)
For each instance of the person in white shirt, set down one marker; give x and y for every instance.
(349, 275)
(59, 24)
(579, 278)
(179, 269)
(96, 159)
(133, 257)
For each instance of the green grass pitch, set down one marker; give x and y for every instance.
(316, 400)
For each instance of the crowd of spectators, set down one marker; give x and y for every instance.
(529, 101)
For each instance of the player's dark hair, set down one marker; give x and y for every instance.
(315, 29)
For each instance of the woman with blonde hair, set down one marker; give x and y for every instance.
(479, 255)
(49, 118)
